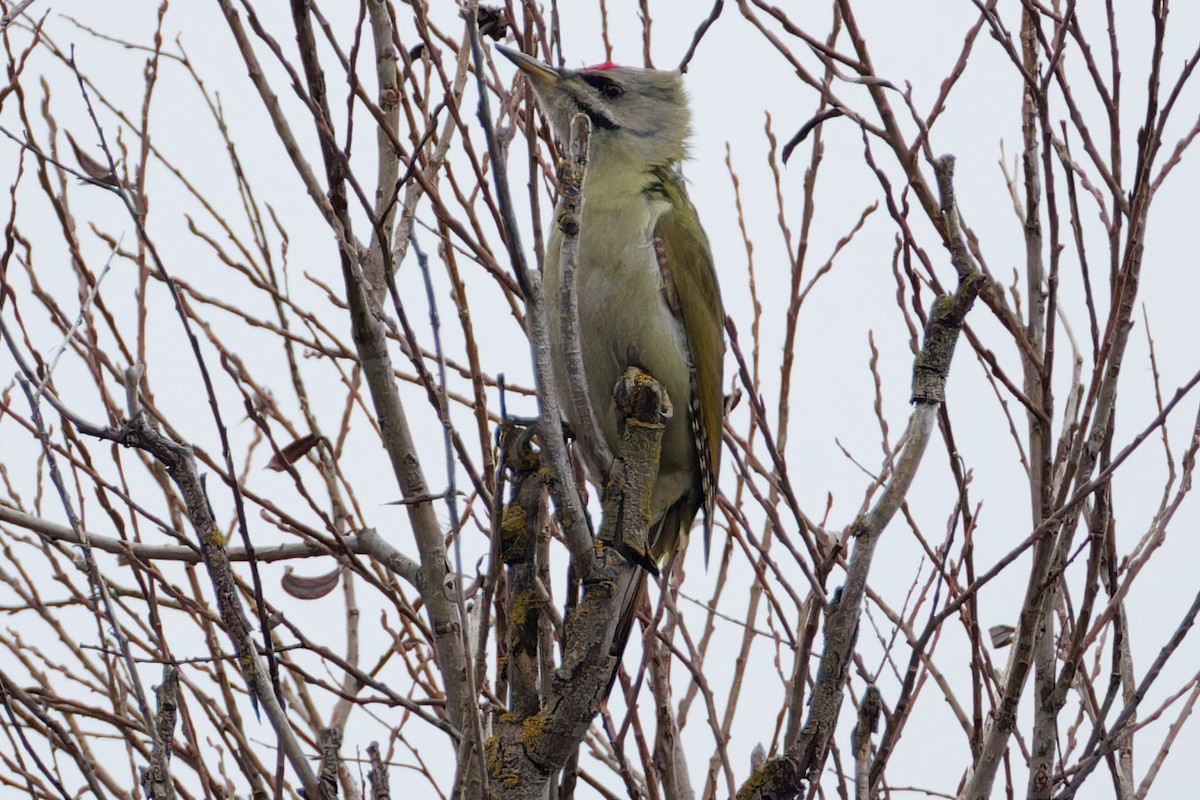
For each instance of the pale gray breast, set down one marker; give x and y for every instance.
(624, 321)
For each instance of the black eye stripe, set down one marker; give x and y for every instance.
(604, 85)
(600, 120)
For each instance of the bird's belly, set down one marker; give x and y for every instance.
(624, 321)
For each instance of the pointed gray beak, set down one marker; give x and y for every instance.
(536, 70)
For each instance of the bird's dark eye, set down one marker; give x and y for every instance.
(613, 91)
(608, 89)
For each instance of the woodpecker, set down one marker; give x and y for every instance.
(647, 288)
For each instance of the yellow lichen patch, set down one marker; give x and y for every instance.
(494, 763)
(497, 769)
(522, 604)
(514, 520)
(533, 728)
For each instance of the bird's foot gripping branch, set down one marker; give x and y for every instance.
(645, 407)
(528, 748)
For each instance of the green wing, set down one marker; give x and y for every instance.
(690, 284)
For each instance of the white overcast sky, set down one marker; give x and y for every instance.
(735, 82)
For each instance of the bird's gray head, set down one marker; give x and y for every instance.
(640, 111)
